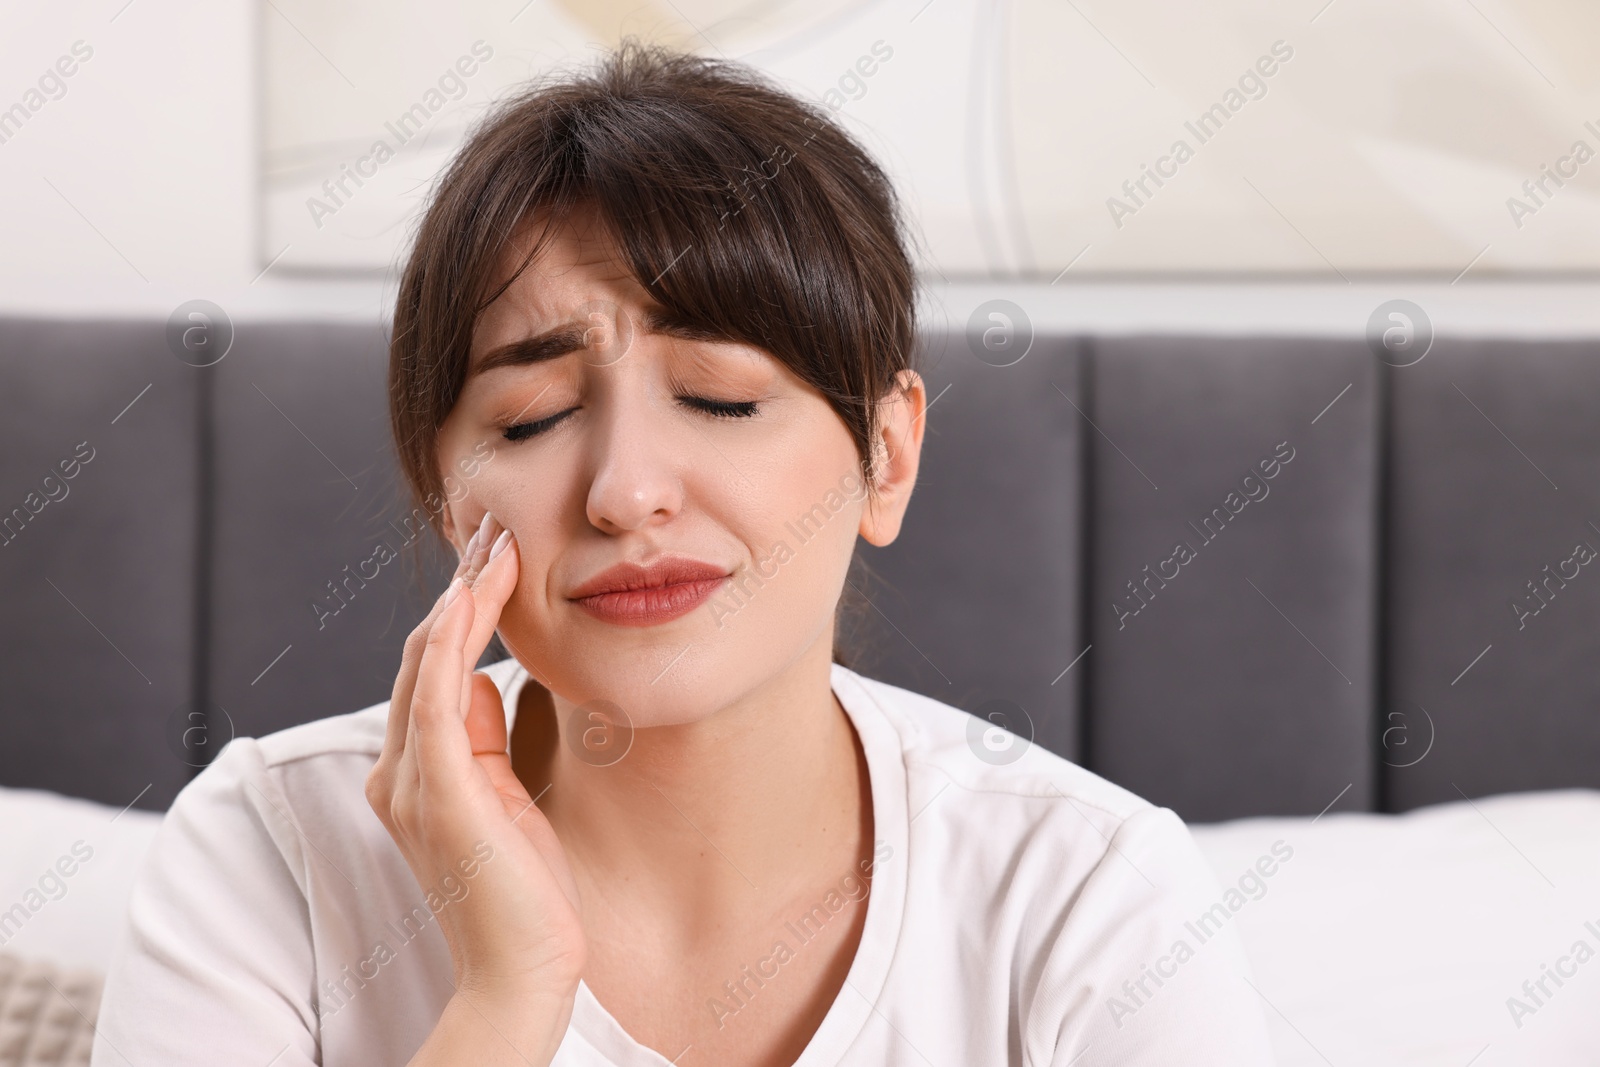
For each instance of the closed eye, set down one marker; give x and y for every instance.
(523, 430)
(727, 409)
(722, 409)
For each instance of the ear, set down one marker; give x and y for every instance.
(897, 447)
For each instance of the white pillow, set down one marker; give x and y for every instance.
(66, 869)
(1388, 940)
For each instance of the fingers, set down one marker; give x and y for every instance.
(486, 719)
(398, 726)
(492, 578)
(435, 737)
(473, 558)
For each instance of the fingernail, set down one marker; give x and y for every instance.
(454, 591)
(483, 526)
(500, 543)
(472, 543)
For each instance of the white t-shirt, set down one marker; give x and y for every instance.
(1023, 911)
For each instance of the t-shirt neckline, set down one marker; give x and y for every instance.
(869, 970)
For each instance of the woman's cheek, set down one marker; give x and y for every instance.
(520, 620)
(533, 575)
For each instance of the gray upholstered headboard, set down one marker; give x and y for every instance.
(1400, 614)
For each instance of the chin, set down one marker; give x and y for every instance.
(651, 675)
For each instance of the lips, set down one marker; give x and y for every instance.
(629, 594)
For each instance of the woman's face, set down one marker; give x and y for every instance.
(628, 461)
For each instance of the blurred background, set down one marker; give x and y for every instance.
(1329, 141)
(1262, 471)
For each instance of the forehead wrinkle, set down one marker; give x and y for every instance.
(709, 355)
(579, 239)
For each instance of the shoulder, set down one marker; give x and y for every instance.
(982, 800)
(298, 787)
(359, 732)
(991, 758)
(268, 869)
(1071, 884)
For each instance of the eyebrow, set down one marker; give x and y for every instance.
(568, 337)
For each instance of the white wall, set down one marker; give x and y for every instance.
(135, 191)
(1123, 138)
(151, 153)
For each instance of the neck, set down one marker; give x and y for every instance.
(737, 812)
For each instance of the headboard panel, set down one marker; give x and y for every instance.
(97, 568)
(1495, 463)
(1232, 572)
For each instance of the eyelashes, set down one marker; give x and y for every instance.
(727, 409)
(524, 430)
(722, 409)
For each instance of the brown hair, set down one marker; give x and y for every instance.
(741, 209)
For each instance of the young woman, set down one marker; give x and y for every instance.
(658, 329)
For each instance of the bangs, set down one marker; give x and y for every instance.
(726, 224)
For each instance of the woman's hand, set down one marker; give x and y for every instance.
(444, 788)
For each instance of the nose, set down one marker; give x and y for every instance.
(635, 484)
